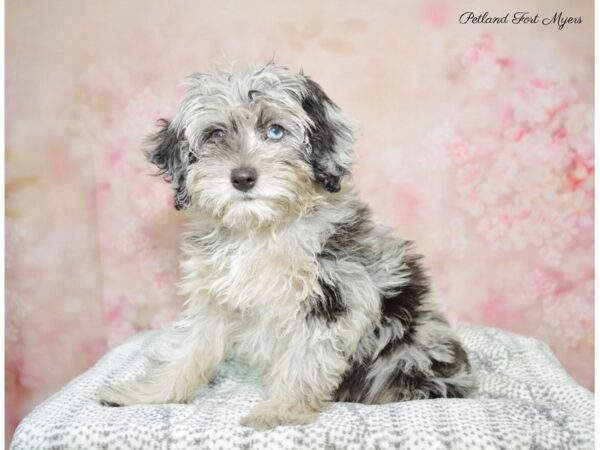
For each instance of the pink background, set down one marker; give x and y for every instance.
(476, 141)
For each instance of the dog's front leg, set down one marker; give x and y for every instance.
(305, 376)
(299, 384)
(185, 356)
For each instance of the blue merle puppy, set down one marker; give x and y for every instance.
(283, 265)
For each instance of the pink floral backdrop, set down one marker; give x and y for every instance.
(476, 141)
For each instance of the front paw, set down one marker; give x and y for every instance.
(268, 415)
(128, 393)
(114, 395)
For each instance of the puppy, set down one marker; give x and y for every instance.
(283, 265)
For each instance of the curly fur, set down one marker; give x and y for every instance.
(294, 275)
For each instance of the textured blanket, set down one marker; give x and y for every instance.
(526, 400)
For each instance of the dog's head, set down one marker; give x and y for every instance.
(254, 148)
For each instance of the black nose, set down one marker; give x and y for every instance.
(243, 179)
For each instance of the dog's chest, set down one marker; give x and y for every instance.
(254, 275)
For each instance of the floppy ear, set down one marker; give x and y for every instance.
(330, 137)
(166, 150)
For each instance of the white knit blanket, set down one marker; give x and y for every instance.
(526, 400)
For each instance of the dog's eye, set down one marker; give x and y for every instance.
(217, 134)
(275, 132)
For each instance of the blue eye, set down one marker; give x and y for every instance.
(275, 132)
(217, 134)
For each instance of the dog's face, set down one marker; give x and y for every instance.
(255, 148)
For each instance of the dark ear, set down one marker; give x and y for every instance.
(166, 150)
(330, 138)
